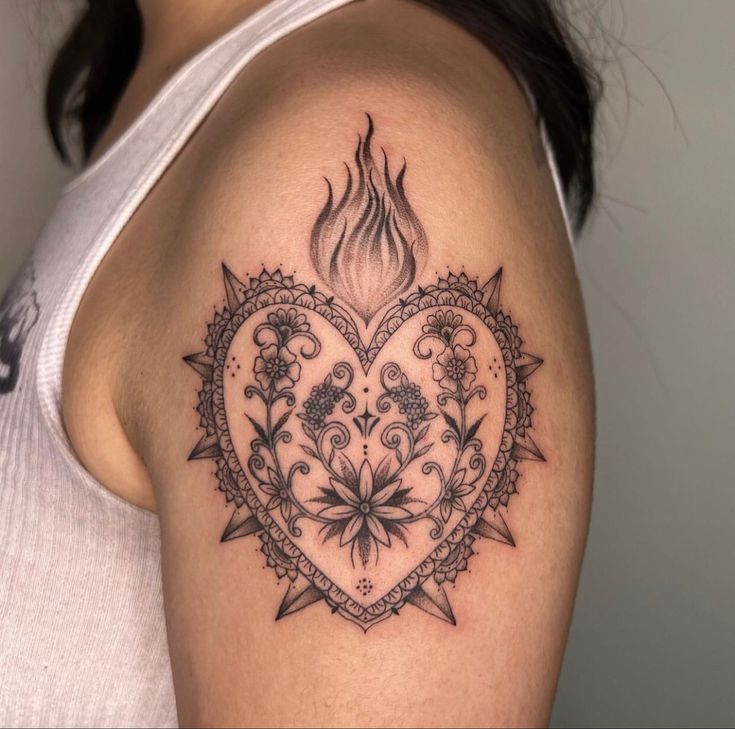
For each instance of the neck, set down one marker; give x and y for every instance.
(173, 30)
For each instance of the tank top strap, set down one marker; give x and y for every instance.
(97, 204)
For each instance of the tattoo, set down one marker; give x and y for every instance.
(368, 247)
(19, 312)
(367, 466)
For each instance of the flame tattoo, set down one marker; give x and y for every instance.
(369, 246)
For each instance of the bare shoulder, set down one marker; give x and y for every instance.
(437, 97)
(367, 368)
(382, 109)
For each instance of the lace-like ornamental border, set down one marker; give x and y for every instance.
(423, 586)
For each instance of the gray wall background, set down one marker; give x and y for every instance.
(653, 640)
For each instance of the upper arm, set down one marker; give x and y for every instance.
(368, 401)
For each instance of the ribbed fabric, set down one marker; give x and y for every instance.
(82, 632)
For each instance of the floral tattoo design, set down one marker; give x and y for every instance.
(369, 433)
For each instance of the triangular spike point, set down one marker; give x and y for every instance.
(207, 447)
(524, 449)
(431, 598)
(492, 526)
(233, 289)
(526, 365)
(201, 363)
(240, 526)
(492, 289)
(297, 597)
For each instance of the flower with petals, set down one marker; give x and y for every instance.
(276, 367)
(462, 282)
(525, 409)
(320, 405)
(206, 408)
(214, 331)
(505, 487)
(288, 322)
(228, 484)
(455, 368)
(455, 561)
(365, 510)
(279, 497)
(411, 402)
(442, 324)
(453, 493)
(266, 279)
(277, 559)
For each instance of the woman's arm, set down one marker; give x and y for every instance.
(373, 494)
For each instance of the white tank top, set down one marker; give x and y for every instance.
(82, 632)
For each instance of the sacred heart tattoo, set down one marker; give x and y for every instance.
(367, 432)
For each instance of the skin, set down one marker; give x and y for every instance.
(246, 190)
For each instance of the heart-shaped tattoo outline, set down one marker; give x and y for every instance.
(424, 586)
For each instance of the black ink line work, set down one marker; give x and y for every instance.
(365, 507)
(368, 246)
(367, 486)
(18, 315)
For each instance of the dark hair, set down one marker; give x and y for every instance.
(98, 57)
(90, 72)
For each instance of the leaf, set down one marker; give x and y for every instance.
(423, 451)
(401, 497)
(275, 479)
(329, 497)
(258, 429)
(324, 500)
(421, 433)
(309, 451)
(472, 432)
(382, 471)
(345, 469)
(332, 530)
(395, 531)
(458, 478)
(282, 421)
(451, 422)
(364, 543)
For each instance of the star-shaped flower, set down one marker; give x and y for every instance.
(365, 511)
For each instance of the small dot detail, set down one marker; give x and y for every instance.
(364, 586)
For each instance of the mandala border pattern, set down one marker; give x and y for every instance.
(423, 587)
